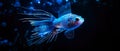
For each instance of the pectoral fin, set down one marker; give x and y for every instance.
(69, 34)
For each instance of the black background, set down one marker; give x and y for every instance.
(92, 35)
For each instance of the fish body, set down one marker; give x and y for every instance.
(47, 27)
(68, 21)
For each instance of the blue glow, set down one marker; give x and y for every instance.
(5, 41)
(49, 3)
(43, 28)
(4, 24)
(31, 2)
(1, 4)
(37, 1)
(97, 0)
(74, 1)
(67, 0)
(17, 4)
(59, 1)
(24, 11)
(31, 8)
(42, 34)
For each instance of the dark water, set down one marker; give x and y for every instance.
(93, 34)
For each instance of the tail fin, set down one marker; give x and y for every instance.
(37, 39)
(40, 32)
(42, 22)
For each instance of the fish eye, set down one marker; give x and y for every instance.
(77, 19)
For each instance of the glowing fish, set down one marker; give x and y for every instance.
(47, 26)
(47, 30)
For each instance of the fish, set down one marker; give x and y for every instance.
(47, 27)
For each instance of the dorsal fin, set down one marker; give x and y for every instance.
(64, 9)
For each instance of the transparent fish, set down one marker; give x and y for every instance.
(47, 26)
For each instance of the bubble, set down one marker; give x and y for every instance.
(31, 8)
(31, 2)
(38, 2)
(49, 3)
(59, 1)
(5, 41)
(4, 24)
(24, 11)
(1, 4)
(17, 4)
(15, 29)
(97, 0)
(74, 1)
(66, 0)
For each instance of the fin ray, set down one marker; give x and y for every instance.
(69, 34)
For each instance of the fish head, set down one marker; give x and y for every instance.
(74, 21)
(78, 20)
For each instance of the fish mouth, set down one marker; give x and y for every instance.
(81, 20)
